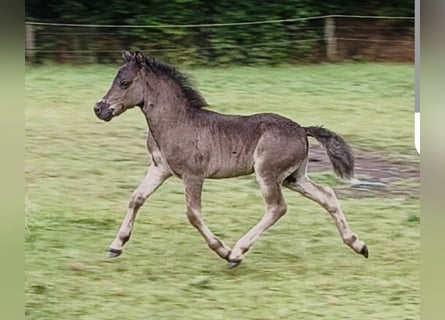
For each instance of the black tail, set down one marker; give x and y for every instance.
(338, 150)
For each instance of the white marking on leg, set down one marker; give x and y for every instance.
(155, 176)
(326, 197)
(275, 209)
(193, 190)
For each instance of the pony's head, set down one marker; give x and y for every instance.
(126, 90)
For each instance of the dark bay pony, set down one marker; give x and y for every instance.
(193, 143)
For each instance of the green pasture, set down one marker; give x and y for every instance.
(81, 171)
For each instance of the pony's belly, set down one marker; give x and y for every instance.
(228, 170)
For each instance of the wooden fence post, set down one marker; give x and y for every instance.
(331, 40)
(29, 43)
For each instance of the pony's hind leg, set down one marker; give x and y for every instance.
(193, 190)
(154, 177)
(275, 209)
(325, 197)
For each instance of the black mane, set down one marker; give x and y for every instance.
(192, 95)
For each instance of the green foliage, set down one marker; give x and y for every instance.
(248, 44)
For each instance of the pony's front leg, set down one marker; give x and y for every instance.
(155, 176)
(193, 190)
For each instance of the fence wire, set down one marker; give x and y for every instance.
(268, 41)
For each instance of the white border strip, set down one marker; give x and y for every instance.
(417, 131)
(417, 77)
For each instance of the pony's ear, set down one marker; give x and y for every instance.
(127, 56)
(140, 58)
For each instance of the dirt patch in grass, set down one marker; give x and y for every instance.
(387, 176)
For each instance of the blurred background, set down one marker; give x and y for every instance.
(200, 32)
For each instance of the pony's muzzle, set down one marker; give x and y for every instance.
(103, 111)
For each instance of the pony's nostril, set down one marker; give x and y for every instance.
(96, 108)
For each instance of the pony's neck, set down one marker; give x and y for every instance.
(164, 102)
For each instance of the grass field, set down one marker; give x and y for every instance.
(81, 171)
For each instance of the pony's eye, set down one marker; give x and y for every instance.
(124, 84)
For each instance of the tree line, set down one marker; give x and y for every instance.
(258, 43)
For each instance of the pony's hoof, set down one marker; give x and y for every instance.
(113, 253)
(365, 252)
(233, 263)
